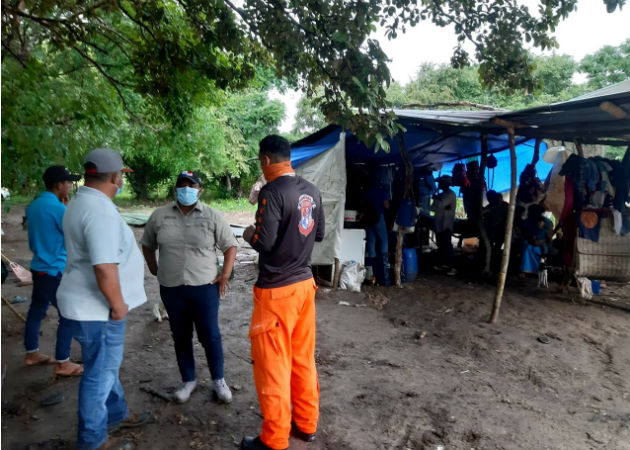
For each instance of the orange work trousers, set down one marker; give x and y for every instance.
(282, 334)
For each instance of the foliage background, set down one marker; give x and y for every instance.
(183, 84)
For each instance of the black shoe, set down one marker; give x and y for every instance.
(253, 443)
(301, 435)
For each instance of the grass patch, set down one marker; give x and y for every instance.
(127, 202)
(16, 200)
(231, 204)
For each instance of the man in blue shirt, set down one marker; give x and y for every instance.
(45, 238)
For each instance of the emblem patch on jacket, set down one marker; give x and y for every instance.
(306, 207)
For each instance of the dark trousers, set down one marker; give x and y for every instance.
(197, 306)
(44, 294)
(446, 256)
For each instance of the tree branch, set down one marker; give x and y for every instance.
(12, 53)
(137, 22)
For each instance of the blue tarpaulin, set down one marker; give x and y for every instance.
(428, 144)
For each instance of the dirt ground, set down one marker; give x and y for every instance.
(411, 368)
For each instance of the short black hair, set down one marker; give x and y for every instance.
(51, 184)
(274, 145)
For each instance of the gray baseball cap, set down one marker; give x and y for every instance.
(106, 160)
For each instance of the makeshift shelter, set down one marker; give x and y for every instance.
(432, 138)
(600, 117)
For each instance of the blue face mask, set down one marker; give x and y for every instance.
(119, 190)
(187, 196)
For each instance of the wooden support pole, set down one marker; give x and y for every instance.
(407, 194)
(536, 156)
(614, 110)
(398, 262)
(337, 270)
(578, 147)
(12, 308)
(505, 260)
(483, 236)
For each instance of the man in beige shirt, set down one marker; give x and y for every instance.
(187, 234)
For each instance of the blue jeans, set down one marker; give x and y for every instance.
(44, 294)
(377, 241)
(198, 306)
(101, 397)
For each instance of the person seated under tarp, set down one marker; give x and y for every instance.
(424, 188)
(530, 191)
(472, 194)
(537, 235)
(494, 219)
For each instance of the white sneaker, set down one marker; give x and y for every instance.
(222, 390)
(182, 394)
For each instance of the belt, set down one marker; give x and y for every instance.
(41, 274)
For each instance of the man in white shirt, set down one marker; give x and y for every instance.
(102, 281)
(444, 205)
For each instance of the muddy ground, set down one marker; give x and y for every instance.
(411, 368)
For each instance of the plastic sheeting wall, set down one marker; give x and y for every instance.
(327, 171)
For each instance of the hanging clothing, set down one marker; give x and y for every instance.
(604, 168)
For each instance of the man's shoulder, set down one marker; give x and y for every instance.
(308, 186)
(210, 212)
(83, 205)
(271, 188)
(45, 204)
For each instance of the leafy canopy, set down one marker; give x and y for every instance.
(176, 52)
(607, 66)
(53, 113)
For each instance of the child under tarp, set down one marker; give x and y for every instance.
(537, 234)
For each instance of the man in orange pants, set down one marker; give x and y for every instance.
(289, 219)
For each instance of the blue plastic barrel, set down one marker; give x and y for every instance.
(409, 271)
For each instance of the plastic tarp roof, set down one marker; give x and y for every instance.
(427, 146)
(599, 117)
(602, 116)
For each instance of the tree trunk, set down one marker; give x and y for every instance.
(228, 183)
(483, 236)
(508, 232)
(407, 194)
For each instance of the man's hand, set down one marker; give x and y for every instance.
(224, 284)
(109, 284)
(119, 312)
(249, 233)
